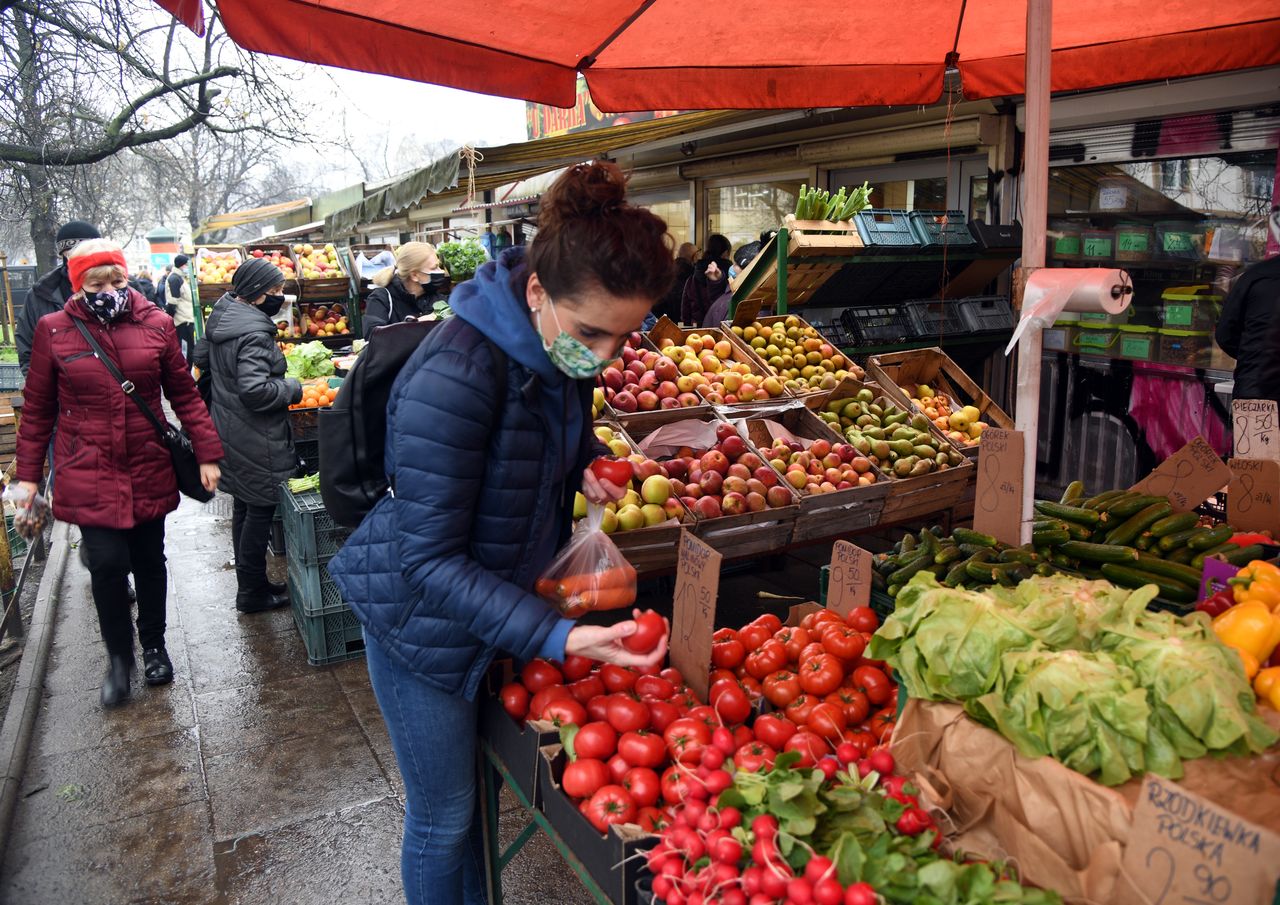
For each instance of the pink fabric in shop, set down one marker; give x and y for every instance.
(1174, 410)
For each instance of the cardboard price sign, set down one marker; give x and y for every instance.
(1188, 477)
(1253, 497)
(1185, 849)
(849, 578)
(1256, 430)
(697, 584)
(998, 503)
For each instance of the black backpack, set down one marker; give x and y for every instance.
(352, 432)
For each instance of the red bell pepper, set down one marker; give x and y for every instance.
(1217, 604)
(1249, 539)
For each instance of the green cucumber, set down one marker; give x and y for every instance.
(1172, 524)
(948, 554)
(956, 574)
(1124, 534)
(1098, 552)
(1019, 554)
(1197, 559)
(1050, 538)
(1128, 577)
(1067, 513)
(1178, 539)
(1156, 566)
(1131, 506)
(1186, 555)
(1211, 537)
(976, 538)
(1243, 556)
(1146, 540)
(1096, 502)
(1073, 495)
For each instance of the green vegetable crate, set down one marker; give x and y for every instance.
(311, 535)
(331, 638)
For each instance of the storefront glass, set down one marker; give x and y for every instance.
(742, 212)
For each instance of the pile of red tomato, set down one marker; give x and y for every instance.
(636, 743)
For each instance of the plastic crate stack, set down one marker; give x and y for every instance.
(329, 629)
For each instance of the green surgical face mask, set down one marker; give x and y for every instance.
(570, 356)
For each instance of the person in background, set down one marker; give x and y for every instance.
(441, 572)
(142, 283)
(707, 283)
(407, 290)
(249, 400)
(162, 285)
(52, 290)
(719, 310)
(670, 304)
(1250, 324)
(181, 305)
(115, 477)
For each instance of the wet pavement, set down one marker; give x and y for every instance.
(253, 778)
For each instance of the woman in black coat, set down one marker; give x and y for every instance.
(406, 291)
(709, 281)
(249, 403)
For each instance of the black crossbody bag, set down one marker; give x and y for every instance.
(174, 438)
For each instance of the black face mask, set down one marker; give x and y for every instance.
(439, 282)
(271, 305)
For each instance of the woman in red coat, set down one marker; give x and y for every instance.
(115, 477)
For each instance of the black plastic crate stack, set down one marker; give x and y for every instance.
(329, 629)
(936, 319)
(876, 325)
(886, 232)
(988, 314)
(308, 454)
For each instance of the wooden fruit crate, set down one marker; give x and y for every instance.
(815, 251)
(932, 367)
(211, 292)
(825, 514)
(666, 329)
(290, 285)
(727, 326)
(336, 288)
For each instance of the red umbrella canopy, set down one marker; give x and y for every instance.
(753, 54)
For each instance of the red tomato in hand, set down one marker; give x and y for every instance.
(616, 471)
(781, 688)
(538, 674)
(610, 805)
(862, 619)
(595, 740)
(874, 684)
(644, 785)
(821, 675)
(583, 777)
(650, 627)
(626, 714)
(774, 730)
(515, 700)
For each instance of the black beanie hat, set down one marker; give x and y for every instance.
(180, 261)
(73, 233)
(254, 277)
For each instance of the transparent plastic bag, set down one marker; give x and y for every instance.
(31, 513)
(590, 573)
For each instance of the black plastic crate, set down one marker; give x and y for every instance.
(996, 235)
(988, 314)
(275, 542)
(932, 319)
(308, 453)
(877, 325)
(888, 231)
(939, 229)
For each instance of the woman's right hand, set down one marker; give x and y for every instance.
(31, 488)
(604, 642)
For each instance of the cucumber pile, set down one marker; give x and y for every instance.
(899, 443)
(1125, 537)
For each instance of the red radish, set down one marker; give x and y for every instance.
(881, 761)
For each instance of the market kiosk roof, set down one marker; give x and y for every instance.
(752, 54)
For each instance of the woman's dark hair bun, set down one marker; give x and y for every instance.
(588, 235)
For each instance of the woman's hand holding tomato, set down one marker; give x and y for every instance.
(601, 490)
(608, 643)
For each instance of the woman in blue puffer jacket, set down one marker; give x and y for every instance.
(441, 572)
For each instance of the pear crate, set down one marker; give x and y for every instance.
(794, 351)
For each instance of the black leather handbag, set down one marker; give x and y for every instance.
(174, 438)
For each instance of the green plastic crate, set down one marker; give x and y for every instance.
(310, 534)
(313, 589)
(330, 638)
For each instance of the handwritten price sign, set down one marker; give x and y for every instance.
(998, 504)
(1186, 850)
(1188, 477)
(697, 586)
(849, 578)
(1256, 429)
(1253, 497)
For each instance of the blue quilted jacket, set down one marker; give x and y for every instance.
(441, 570)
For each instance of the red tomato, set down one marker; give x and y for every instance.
(798, 710)
(515, 700)
(881, 725)
(675, 785)
(610, 805)
(539, 674)
(852, 702)
(769, 621)
(618, 768)
(626, 714)
(827, 720)
(753, 686)
(733, 704)
(874, 683)
(754, 757)
(774, 730)
(596, 740)
(821, 675)
(728, 653)
(672, 675)
(616, 471)
(742, 735)
(652, 820)
(811, 747)
(642, 749)
(781, 688)
(862, 619)
(545, 697)
(810, 651)
(770, 657)
(843, 643)
(644, 785)
(564, 711)
(618, 678)
(650, 629)
(584, 690)
(752, 636)
(717, 675)
(654, 688)
(862, 739)
(814, 621)
(583, 777)
(576, 667)
(598, 707)
(686, 738)
(662, 714)
(705, 715)
(794, 640)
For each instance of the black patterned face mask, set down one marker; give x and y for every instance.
(109, 305)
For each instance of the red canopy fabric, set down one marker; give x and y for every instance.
(752, 54)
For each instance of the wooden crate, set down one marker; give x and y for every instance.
(336, 288)
(933, 367)
(816, 251)
(291, 286)
(727, 326)
(211, 292)
(306, 310)
(666, 329)
(821, 515)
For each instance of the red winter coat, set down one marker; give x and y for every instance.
(113, 471)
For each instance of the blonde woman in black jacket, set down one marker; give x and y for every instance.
(407, 290)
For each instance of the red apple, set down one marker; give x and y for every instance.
(647, 400)
(778, 496)
(734, 447)
(629, 355)
(624, 401)
(724, 432)
(750, 460)
(738, 470)
(733, 484)
(715, 461)
(766, 476)
(756, 502)
(830, 460)
(688, 400)
(648, 380)
(820, 447)
(754, 486)
(673, 508)
(666, 369)
(637, 369)
(677, 468)
(734, 504)
(667, 390)
(708, 507)
(669, 402)
(712, 482)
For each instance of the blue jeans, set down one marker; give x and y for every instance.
(434, 737)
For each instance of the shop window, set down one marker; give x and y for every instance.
(1175, 176)
(741, 212)
(911, 194)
